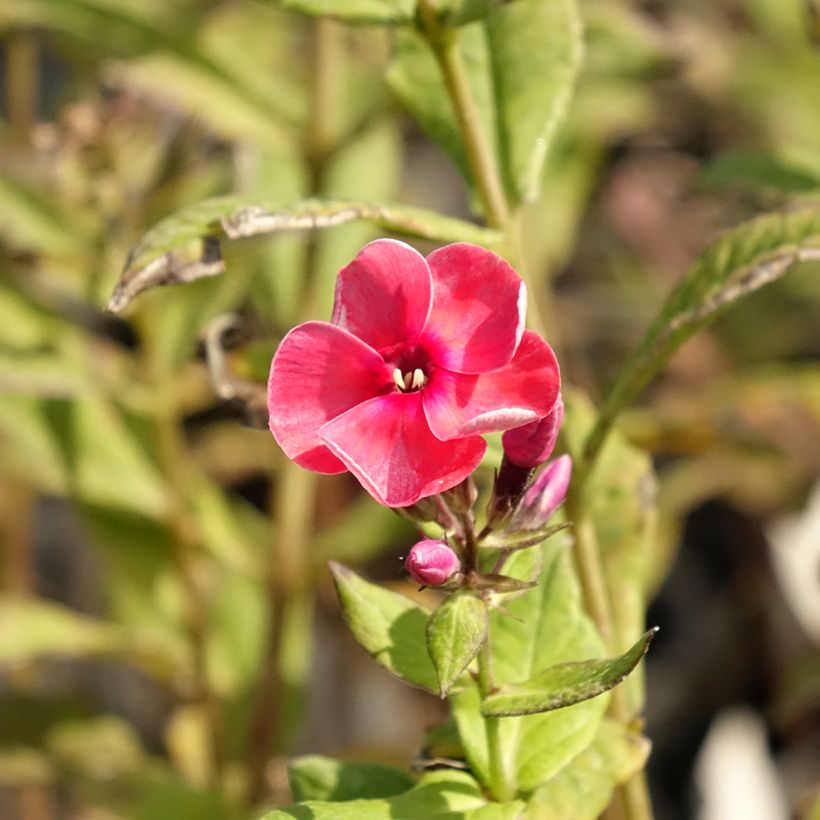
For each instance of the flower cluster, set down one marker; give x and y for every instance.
(421, 357)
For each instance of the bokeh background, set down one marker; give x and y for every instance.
(160, 558)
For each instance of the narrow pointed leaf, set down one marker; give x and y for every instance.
(159, 260)
(565, 684)
(389, 626)
(740, 262)
(455, 633)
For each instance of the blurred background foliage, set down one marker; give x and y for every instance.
(167, 628)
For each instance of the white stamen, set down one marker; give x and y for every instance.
(418, 379)
(397, 378)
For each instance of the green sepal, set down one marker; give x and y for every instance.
(521, 539)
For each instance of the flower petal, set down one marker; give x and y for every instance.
(319, 372)
(477, 316)
(383, 296)
(460, 404)
(388, 446)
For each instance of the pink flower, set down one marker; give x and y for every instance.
(532, 444)
(421, 357)
(430, 563)
(545, 495)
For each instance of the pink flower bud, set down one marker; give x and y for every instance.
(430, 563)
(532, 444)
(545, 496)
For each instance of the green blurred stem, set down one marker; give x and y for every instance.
(21, 85)
(16, 527)
(293, 502)
(294, 493)
(185, 542)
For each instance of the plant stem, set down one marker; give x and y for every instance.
(185, 543)
(294, 493)
(22, 77)
(502, 782)
(486, 177)
(293, 498)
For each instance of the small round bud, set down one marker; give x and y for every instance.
(431, 563)
(545, 495)
(532, 444)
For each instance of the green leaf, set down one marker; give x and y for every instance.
(582, 789)
(29, 220)
(441, 795)
(314, 777)
(742, 261)
(156, 260)
(33, 629)
(548, 627)
(389, 626)
(536, 50)
(754, 170)
(455, 633)
(565, 684)
(392, 12)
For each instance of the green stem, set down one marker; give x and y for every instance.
(22, 76)
(444, 44)
(502, 780)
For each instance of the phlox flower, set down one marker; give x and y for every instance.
(420, 357)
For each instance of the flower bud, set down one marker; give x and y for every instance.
(545, 495)
(532, 444)
(431, 563)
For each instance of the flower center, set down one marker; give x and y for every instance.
(409, 381)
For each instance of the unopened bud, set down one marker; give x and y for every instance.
(532, 444)
(545, 495)
(431, 563)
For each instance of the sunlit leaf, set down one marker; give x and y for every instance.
(314, 777)
(390, 627)
(442, 795)
(582, 789)
(154, 261)
(564, 684)
(455, 632)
